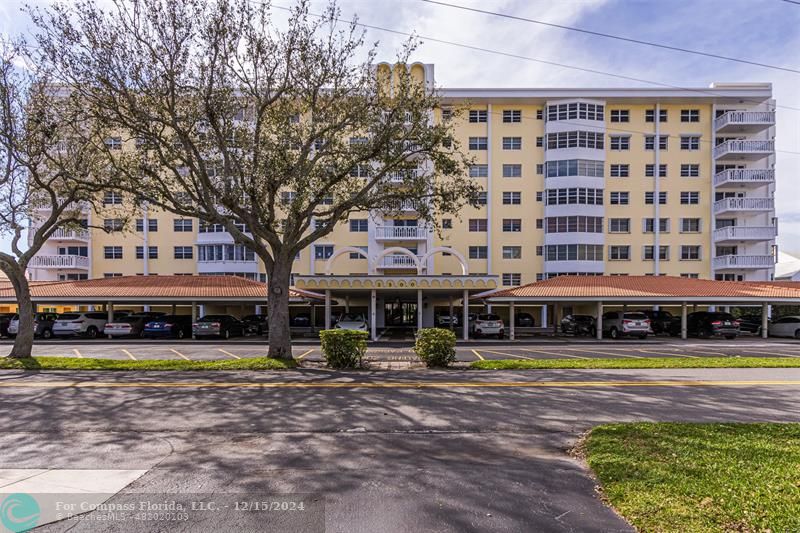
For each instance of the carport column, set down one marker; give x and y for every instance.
(683, 321)
(347, 303)
(327, 309)
(373, 303)
(110, 311)
(174, 309)
(764, 320)
(556, 313)
(599, 321)
(511, 321)
(451, 313)
(465, 317)
(543, 316)
(419, 309)
(194, 311)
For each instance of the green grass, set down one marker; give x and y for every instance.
(700, 477)
(75, 363)
(646, 362)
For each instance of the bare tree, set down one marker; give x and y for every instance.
(50, 175)
(278, 134)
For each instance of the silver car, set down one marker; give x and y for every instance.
(617, 324)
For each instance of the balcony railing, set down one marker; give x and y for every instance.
(62, 234)
(744, 148)
(400, 176)
(401, 233)
(744, 204)
(745, 233)
(745, 176)
(397, 261)
(743, 261)
(60, 261)
(745, 118)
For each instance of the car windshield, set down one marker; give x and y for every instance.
(69, 316)
(488, 317)
(721, 316)
(212, 318)
(583, 318)
(635, 316)
(351, 318)
(254, 317)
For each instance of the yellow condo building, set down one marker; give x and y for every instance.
(589, 181)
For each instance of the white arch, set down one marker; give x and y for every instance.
(401, 251)
(452, 251)
(347, 249)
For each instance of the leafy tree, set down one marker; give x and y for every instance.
(277, 131)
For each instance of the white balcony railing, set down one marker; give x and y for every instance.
(745, 176)
(401, 175)
(60, 261)
(401, 233)
(744, 204)
(745, 118)
(62, 234)
(745, 233)
(397, 261)
(743, 261)
(744, 147)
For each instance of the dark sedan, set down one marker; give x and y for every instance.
(524, 320)
(5, 319)
(578, 325)
(173, 326)
(225, 326)
(256, 324)
(706, 324)
(660, 321)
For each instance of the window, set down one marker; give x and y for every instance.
(478, 143)
(112, 198)
(479, 171)
(224, 252)
(539, 169)
(619, 198)
(477, 224)
(323, 251)
(478, 115)
(512, 198)
(360, 171)
(573, 224)
(690, 171)
(576, 195)
(690, 115)
(619, 225)
(575, 167)
(478, 252)
(112, 274)
(112, 252)
(539, 114)
(649, 142)
(690, 275)
(513, 170)
(539, 142)
(690, 253)
(356, 255)
(649, 197)
(575, 139)
(574, 252)
(511, 279)
(690, 198)
(114, 143)
(512, 115)
(619, 171)
(539, 223)
(513, 225)
(183, 252)
(648, 225)
(447, 223)
(575, 110)
(649, 171)
(690, 225)
(512, 252)
(182, 225)
(152, 224)
(619, 253)
(481, 198)
(539, 195)
(690, 142)
(113, 224)
(620, 142)
(359, 224)
(649, 251)
(512, 143)
(620, 115)
(650, 115)
(447, 113)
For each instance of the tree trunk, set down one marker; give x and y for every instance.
(23, 343)
(280, 340)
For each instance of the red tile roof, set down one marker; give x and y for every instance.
(640, 287)
(153, 288)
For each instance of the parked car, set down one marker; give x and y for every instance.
(617, 324)
(750, 324)
(225, 326)
(175, 326)
(578, 325)
(487, 324)
(42, 325)
(524, 320)
(659, 320)
(129, 325)
(5, 318)
(785, 326)
(445, 321)
(350, 321)
(85, 324)
(255, 324)
(301, 320)
(707, 324)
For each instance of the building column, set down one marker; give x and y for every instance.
(419, 309)
(327, 309)
(599, 320)
(684, 332)
(511, 321)
(489, 308)
(451, 313)
(465, 317)
(373, 303)
(194, 311)
(764, 320)
(556, 313)
(202, 310)
(110, 311)
(174, 309)
(313, 322)
(347, 303)
(543, 316)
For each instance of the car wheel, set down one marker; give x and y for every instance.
(47, 333)
(181, 334)
(593, 331)
(501, 334)
(92, 332)
(643, 337)
(12, 335)
(614, 334)
(797, 334)
(227, 334)
(730, 337)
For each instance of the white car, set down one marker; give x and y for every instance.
(348, 321)
(82, 324)
(617, 324)
(786, 326)
(487, 324)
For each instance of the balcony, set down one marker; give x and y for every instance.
(60, 261)
(744, 121)
(744, 177)
(62, 234)
(397, 261)
(735, 234)
(400, 176)
(401, 233)
(404, 206)
(744, 205)
(743, 150)
(739, 262)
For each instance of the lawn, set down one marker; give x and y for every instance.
(700, 477)
(75, 363)
(646, 362)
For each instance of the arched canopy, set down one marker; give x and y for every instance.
(347, 249)
(451, 251)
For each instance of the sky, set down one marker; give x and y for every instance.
(766, 31)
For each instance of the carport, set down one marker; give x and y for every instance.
(599, 291)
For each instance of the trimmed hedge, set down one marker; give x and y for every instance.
(343, 348)
(436, 346)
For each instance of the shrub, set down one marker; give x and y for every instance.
(343, 348)
(436, 346)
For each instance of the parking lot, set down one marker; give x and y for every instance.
(543, 348)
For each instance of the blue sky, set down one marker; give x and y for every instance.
(767, 31)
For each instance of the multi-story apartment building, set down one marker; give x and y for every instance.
(622, 181)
